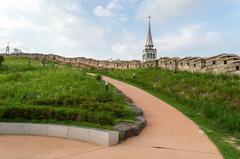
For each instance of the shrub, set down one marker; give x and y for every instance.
(101, 114)
(104, 118)
(98, 77)
(105, 97)
(63, 101)
(1, 60)
(32, 113)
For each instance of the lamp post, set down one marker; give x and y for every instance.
(106, 86)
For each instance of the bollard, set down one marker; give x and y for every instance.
(134, 75)
(106, 85)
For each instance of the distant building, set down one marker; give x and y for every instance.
(149, 53)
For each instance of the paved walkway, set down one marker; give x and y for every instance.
(168, 135)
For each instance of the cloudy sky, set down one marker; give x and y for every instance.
(105, 29)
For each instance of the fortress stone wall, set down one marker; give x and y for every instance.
(223, 63)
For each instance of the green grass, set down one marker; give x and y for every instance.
(56, 94)
(212, 101)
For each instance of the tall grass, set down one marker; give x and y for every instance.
(217, 97)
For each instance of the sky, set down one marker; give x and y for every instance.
(116, 29)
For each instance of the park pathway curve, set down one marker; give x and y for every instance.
(168, 135)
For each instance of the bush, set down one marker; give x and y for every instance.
(33, 113)
(1, 60)
(104, 118)
(98, 77)
(105, 97)
(63, 101)
(101, 114)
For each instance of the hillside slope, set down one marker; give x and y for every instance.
(212, 100)
(30, 92)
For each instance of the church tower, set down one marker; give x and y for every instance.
(149, 53)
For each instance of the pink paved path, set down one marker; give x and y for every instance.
(168, 135)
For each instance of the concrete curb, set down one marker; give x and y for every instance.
(95, 136)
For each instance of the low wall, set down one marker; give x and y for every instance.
(95, 136)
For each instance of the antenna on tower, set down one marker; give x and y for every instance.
(8, 48)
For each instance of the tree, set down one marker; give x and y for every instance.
(1, 60)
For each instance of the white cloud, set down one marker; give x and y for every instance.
(102, 12)
(62, 27)
(129, 46)
(164, 9)
(188, 41)
(120, 49)
(107, 11)
(123, 17)
(56, 26)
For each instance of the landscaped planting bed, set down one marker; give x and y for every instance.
(57, 94)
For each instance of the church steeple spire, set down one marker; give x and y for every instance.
(149, 42)
(149, 53)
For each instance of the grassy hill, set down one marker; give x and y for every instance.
(212, 101)
(57, 94)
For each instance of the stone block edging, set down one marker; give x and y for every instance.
(95, 136)
(128, 130)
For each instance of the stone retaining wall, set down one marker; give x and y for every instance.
(223, 63)
(128, 130)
